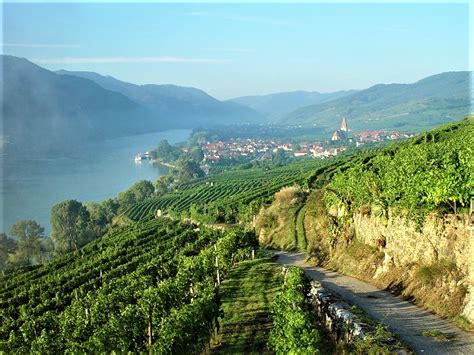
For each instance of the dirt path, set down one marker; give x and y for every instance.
(403, 318)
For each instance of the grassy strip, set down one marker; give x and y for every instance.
(300, 232)
(246, 298)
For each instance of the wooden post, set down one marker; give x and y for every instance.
(253, 254)
(150, 327)
(217, 266)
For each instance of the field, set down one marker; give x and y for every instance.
(246, 299)
(149, 286)
(229, 188)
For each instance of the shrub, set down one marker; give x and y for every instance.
(293, 322)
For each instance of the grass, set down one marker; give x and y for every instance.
(438, 334)
(246, 300)
(299, 229)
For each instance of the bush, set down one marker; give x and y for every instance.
(293, 322)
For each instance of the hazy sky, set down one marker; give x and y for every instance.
(243, 49)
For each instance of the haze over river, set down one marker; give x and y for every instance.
(31, 186)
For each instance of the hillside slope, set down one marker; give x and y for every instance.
(43, 111)
(50, 112)
(146, 287)
(278, 105)
(397, 217)
(422, 105)
(187, 106)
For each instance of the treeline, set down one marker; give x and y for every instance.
(73, 223)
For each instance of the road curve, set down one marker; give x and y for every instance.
(404, 319)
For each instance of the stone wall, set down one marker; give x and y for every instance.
(341, 323)
(440, 239)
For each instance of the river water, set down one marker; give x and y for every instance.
(31, 186)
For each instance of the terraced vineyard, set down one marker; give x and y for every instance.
(149, 286)
(230, 188)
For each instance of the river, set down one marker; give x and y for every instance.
(31, 186)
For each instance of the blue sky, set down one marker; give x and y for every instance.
(231, 50)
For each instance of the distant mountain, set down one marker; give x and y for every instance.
(278, 105)
(45, 111)
(185, 106)
(425, 104)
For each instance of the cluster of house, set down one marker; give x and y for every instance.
(341, 135)
(378, 136)
(263, 149)
(214, 151)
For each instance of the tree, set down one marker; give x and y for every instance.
(70, 221)
(163, 184)
(142, 190)
(196, 153)
(166, 152)
(30, 239)
(188, 169)
(139, 192)
(102, 214)
(8, 248)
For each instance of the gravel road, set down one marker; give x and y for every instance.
(404, 319)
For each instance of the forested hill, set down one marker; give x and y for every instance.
(278, 105)
(426, 104)
(188, 106)
(45, 111)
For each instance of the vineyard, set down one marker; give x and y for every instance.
(428, 173)
(231, 188)
(149, 286)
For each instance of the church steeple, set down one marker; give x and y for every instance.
(344, 124)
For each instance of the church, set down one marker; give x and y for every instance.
(340, 134)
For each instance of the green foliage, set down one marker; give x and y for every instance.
(293, 323)
(166, 152)
(8, 248)
(159, 275)
(231, 196)
(70, 225)
(188, 169)
(139, 192)
(418, 176)
(32, 247)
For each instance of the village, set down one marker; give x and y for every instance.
(265, 148)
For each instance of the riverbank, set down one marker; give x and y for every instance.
(95, 172)
(159, 162)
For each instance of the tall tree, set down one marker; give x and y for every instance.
(188, 169)
(8, 248)
(139, 192)
(163, 184)
(29, 234)
(70, 223)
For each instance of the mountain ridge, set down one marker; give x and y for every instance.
(189, 104)
(276, 105)
(50, 112)
(424, 104)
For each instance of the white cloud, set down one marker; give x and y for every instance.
(126, 60)
(39, 45)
